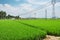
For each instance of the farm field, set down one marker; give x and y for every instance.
(29, 19)
(31, 29)
(13, 30)
(51, 26)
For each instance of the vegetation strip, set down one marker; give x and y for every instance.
(52, 27)
(12, 30)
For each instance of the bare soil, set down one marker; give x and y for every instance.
(49, 37)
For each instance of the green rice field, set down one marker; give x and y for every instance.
(51, 26)
(32, 29)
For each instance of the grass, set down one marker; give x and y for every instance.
(34, 29)
(51, 26)
(14, 30)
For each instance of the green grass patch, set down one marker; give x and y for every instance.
(13, 30)
(51, 26)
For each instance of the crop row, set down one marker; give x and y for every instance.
(51, 26)
(12, 30)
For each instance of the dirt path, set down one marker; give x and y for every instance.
(48, 37)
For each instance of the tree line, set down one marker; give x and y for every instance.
(3, 16)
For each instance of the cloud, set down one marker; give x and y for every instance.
(28, 9)
(8, 8)
(58, 4)
(21, 9)
(57, 0)
(39, 2)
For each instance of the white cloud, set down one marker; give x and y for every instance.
(8, 8)
(29, 9)
(23, 8)
(58, 4)
(26, 7)
(38, 2)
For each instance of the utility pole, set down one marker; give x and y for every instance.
(35, 15)
(30, 16)
(53, 8)
(45, 13)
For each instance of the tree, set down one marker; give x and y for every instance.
(2, 14)
(17, 17)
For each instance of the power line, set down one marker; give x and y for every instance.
(53, 8)
(46, 13)
(53, 2)
(49, 3)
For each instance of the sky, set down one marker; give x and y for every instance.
(29, 8)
